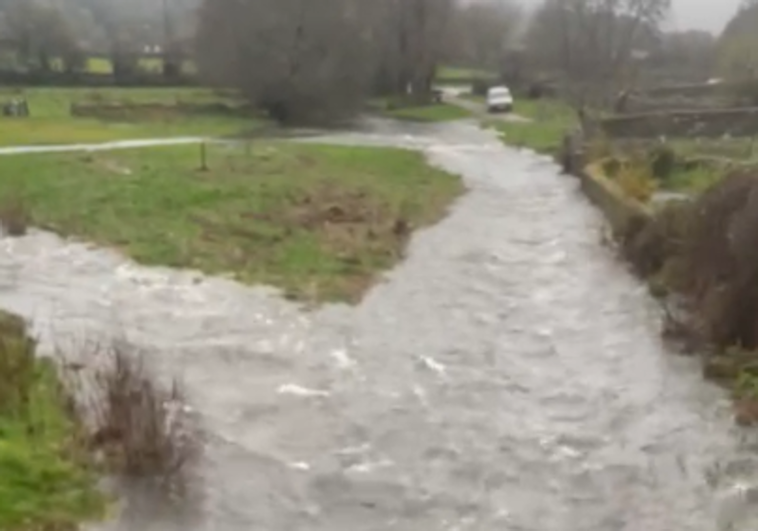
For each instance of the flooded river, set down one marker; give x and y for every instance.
(507, 376)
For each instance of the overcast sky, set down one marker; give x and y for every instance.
(711, 15)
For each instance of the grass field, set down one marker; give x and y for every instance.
(51, 123)
(551, 119)
(45, 482)
(318, 221)
(398, 108)
(457, 75)
(430, 113)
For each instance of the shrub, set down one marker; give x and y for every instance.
(662, 162)
(635, 181)
(14, 216)
(141, 427)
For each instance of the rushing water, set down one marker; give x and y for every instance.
(507, 376)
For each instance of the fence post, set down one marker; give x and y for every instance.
(203, 159)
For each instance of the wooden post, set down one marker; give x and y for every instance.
(203, 159)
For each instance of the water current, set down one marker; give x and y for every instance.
(508, 375)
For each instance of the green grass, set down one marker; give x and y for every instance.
(45, 482)
(318, 221)
(551, 119)
(453, 74)
(430, 113)
(51, 122)
(101, 64)
(401, 109)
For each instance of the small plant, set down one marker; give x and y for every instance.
(14, 215)
(599, 147)
(662, 162)
(635, 181)
(141, 427)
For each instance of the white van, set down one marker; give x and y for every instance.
(499, 99)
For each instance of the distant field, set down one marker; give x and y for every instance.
(453, 73)
(51, 122)
(551, 119)
(104, 65)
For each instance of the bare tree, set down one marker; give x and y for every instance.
(593, 43)
(481, 33)
(410, 37)
(42, 34)
(300, 60)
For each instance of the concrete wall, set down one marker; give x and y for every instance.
(701, 123)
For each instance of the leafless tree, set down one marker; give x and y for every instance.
(593, 44)
(410, 36)
(41, 33)
(300, 60)
(482, 32)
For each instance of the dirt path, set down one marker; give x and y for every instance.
(102, 146)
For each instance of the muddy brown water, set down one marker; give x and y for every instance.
(508, 375)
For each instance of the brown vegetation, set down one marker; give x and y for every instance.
(15, 217)
(140, 426)
(704, 253)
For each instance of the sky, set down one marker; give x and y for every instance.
(711, 15)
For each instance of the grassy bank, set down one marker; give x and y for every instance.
(46, 481)
(51, 121)
(442, 112)
(404, 110)
(318, 221)
(550, 120)
(695, 254)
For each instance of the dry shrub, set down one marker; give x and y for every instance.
(636, 181)
(651, 244)
(15, 217)
(142, 428)
(599, 147)
(722, 261)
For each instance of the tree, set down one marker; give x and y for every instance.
(298, 59)
(738, 44)
(42, 34)
(481, 33)
(593, 44)
(410, 37)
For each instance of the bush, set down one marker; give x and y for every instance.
(14, 216)
(479, 87)
(662, 162)
(653, 246)
(141, 427)
(635, 181)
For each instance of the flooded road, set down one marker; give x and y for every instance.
(507, 376)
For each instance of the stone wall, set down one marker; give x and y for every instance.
(620, 210)
(711, 123)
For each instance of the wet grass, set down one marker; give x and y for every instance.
(430, 113)
(46, 481)
(318, 221)
(51, 122)
(401, 109)
(551, 119)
